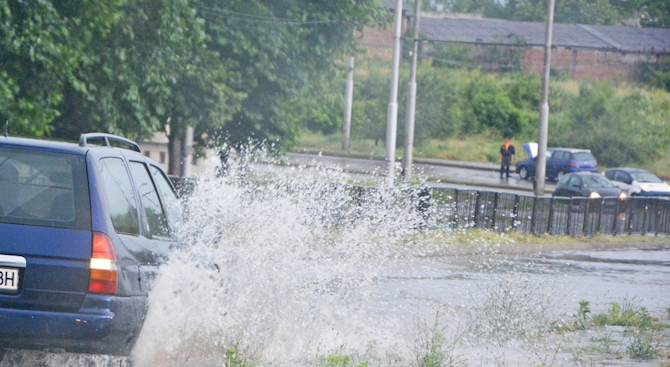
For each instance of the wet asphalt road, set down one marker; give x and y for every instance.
(462, 177)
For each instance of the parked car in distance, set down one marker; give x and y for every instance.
(637, 182)
(83, 229)
(560, 161)
(587, 184)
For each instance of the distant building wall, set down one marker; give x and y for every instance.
(584, 64)
(379, 41)
(577, 64)
(156, 148)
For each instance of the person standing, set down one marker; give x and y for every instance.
(506, 153)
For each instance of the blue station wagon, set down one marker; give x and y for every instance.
(83, 229)
(560, 161)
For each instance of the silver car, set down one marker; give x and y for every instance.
(637, 182)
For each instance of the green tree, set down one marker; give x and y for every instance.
(279, 50)
(41, 46)
(655, 13)
(150, 68)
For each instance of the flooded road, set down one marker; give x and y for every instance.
(290, 273)
(600, 277)
(408, 291)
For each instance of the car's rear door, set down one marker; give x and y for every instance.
(551, 164)
(622, 180)
(156, 240)
(45, 229)
(575, 186)
(560, 162)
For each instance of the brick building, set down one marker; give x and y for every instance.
(379, 41)
(581, 51)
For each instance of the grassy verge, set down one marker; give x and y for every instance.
(477, 148)
(479, 236)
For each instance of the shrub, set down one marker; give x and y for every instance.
(656, 74)
(616, 128)
(630, 314)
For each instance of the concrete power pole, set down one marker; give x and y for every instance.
(392, 112)
(541, 161)
(348, 102)
(187, 161)
(411, 98)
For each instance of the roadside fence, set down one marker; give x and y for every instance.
(502, 212)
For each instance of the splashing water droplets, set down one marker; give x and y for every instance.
(288, 278)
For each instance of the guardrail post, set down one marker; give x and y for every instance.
(515, 212)
(657, 226)
(495, 211)
(455, 208)
(550, 220)
(615, 226)
(586, 216)
(629, 218)
(666, 216)
(567, 232)
(533, 216)
(478, 203)
(644, 217)
(600, 216)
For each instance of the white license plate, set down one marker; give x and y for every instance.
(9, 280)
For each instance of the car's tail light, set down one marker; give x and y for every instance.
(573, 164)
(104, 275)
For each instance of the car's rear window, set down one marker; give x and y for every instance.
(597, 181)
(44, 189)
(583, 156)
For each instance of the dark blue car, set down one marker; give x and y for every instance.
(83, 229)
(560, 161)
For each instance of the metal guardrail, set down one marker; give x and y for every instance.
(502, 212)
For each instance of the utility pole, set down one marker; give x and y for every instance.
(541, 160)
(392, 112)
(411, 98)
(187, 161)
(348, 102)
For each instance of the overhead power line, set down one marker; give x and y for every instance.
(262, 19)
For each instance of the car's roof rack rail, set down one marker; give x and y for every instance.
(107, 138)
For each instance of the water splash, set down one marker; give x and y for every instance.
(290, 277)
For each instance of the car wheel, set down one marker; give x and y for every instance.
(523, 172)
(560, 175)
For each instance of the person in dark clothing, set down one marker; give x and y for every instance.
(506, 153)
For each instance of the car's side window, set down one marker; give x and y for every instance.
(575, 181)
(557, 156)
(120, 196)
(621, 176)
(149, 198)
(170, 202)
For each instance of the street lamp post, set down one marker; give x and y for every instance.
(411, 98)
(392, 112)
(348, 103)
(544, 107)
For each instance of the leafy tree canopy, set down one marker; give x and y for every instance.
(134, 67)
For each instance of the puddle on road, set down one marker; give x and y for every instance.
(304, 275)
